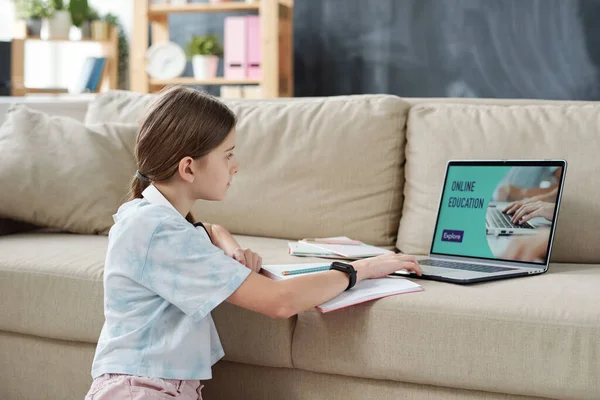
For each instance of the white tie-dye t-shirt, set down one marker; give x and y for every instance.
(162, 278)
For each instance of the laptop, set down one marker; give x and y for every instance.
(474, 238)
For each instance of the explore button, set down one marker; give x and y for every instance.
(452, 236)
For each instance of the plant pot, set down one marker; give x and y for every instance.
(86, 30)
(205, 67)
(82, 32)
(58, 26)
(34, 26)
(100, 30)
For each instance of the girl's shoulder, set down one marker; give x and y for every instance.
(141, 214)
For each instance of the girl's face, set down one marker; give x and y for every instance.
(215, 171)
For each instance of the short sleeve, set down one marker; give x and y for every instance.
(186, 269)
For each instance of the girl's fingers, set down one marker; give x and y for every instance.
(411, 266)
(406, 257)
(240, 258)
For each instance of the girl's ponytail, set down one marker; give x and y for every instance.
(138, 184)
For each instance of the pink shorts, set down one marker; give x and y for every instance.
(130, 387)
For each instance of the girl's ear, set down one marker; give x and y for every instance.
(185, 170)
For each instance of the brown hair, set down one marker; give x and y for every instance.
(181, 122)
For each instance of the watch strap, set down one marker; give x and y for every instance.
(347, 268)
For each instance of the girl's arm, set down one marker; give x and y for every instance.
(222, 239)
(285, 298)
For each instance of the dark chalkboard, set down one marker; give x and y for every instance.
(547, 49)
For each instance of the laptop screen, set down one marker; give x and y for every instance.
(499, 210)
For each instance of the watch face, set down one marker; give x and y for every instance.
(165, 60)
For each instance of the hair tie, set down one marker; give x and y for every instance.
(141, 176)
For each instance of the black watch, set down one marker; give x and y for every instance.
(347, 268)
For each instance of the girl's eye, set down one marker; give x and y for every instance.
(230, 156)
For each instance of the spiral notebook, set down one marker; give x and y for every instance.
(366, 290)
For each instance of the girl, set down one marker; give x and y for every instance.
(164, 273)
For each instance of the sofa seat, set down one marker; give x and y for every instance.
(515, 336)
(51, 287)
(537, 336)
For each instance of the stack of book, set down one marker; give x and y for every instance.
(339, 247)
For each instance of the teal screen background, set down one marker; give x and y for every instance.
(469, 220)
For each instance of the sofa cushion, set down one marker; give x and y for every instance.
(51, 286)
(75, 107)
(338, 160)
(62, 174)
(118, 106)
(537, 336)
(437, 133)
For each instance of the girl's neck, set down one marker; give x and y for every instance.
(176, 196)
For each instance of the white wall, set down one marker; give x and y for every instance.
(7, 11)
(57, 64)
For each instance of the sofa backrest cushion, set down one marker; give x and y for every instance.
(309, 166)
(438, 132)
(59, 173)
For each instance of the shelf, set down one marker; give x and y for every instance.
(192, 81)
(86, 40)
(47, 90)
(164, 9)
(108, 48)
(151, 21)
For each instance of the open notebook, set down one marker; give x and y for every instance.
(367, 290)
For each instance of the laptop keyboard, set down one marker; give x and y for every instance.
(465, 267)
(497, 219)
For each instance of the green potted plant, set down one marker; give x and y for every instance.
(32, 11)
(79, 10)
(123, 48)
(204, 51)
(58, 24)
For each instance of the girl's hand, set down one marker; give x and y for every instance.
(248, 258)
(381, 266)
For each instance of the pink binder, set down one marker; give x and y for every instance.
(253, 62)
(234, 56)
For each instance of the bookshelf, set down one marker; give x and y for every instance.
(110, 50)
(276, 27)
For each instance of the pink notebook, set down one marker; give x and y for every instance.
(367, 290)
(235, 49)
(253, 67)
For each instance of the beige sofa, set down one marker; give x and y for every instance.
(368, 167)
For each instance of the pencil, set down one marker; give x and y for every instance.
(305, 270)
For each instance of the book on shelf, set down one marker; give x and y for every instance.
(90, 76)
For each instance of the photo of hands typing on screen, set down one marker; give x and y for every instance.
(520, 215)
